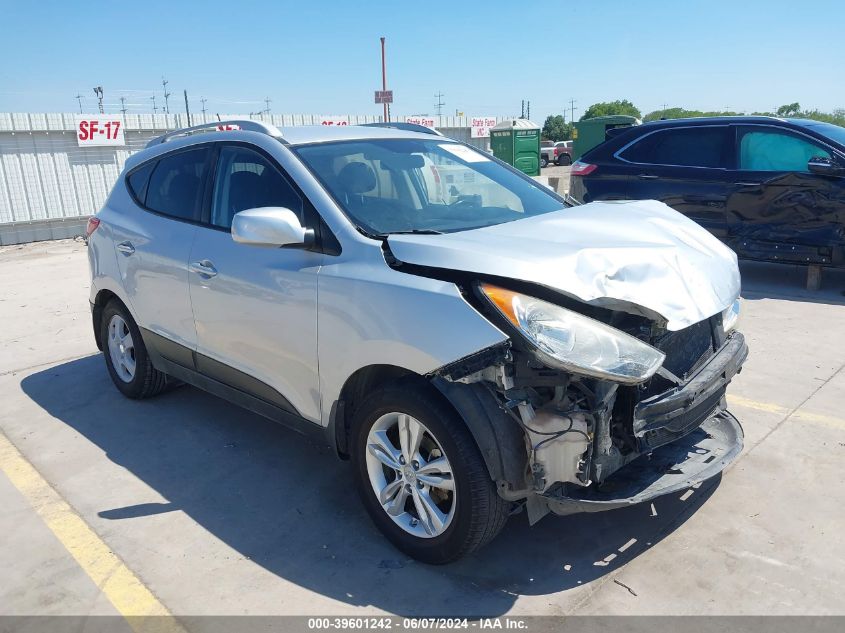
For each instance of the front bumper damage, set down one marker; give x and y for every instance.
(589, 445)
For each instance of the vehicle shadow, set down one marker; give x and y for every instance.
(290, 506)
(766, 280)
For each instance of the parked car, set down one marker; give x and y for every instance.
(469, 345)
(547, 153)
(772, 189)
(563, 153)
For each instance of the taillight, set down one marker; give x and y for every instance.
(582, 169)
(92, 225)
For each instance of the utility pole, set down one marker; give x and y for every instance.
(384, 81)
(663, 112)
(203, 100)
(79, 98)
(267, 101)
(528, 110)
(522, 112)
(438, 105)
(164, 83)
(187, 109)
(155, 109)
(99, 92)
(572, 109)
(123, 105)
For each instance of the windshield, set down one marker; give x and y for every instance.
(833, 132)
(433, 186)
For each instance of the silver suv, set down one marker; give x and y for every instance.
(469, 340)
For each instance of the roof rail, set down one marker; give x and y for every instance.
(219, 126)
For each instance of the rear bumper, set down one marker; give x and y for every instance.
(696, 457)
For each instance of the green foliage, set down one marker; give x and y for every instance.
(608, 108)
(557, 129)
(682, 113)
(790, 109)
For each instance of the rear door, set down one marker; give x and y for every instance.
(153, 242)
(255, 308)
(688, 168)
(779, 210)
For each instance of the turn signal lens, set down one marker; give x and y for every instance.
(92, 225)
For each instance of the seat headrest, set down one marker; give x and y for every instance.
(357, 178)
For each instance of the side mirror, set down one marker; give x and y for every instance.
(270, 226)
(825, 167)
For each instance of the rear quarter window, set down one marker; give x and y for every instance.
(137, 181)
(684, 147)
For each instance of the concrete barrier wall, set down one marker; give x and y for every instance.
(49, 185)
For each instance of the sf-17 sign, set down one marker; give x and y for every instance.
(95, 130)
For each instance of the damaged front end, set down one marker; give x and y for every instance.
(596, 433)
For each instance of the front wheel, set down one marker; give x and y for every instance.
(544, 162)
(564, 160)
(421, 476)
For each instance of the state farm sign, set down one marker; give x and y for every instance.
(420, 120)
(480, 126)
(94, 130)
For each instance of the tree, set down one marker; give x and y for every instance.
(557, 129)
(683, 113)
(790, 109)
(608, 108)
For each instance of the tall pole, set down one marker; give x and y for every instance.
(154, 104)
(187, 109)
(123, 105)
(79, 98)
(572, 110)
(164, 83)
(384, 79)
(203, 100)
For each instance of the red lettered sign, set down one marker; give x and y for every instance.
(94, 130)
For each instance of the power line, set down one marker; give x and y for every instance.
(438, 105)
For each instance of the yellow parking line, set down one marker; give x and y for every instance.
(800, 416)
(142, 610)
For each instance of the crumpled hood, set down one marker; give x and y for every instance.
(640, 253)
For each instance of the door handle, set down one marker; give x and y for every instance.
(204, 268)
(126, 247)
(647, 177)
(748, 184)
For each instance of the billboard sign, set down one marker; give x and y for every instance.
(384, 96)
(99, 130)
(480, 126)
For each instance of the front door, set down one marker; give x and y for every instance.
(779, 210)
(255, 308)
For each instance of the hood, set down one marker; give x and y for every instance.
(635, 256)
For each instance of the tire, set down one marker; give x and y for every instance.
(474, 513)
(544, 162)
(144, 380)
(564, 160)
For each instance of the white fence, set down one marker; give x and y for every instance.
(49, 185)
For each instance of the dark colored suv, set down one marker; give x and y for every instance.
(772, 189)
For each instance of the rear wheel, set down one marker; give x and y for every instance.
(126, 356)
(544, 162)
(564, 159)
(421, 476)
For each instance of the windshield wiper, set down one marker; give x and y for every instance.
(415, 232)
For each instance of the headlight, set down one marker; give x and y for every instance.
(730, 316)
(571, 341)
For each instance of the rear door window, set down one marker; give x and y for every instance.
(762, 149)
(176, 184)
(705, 146)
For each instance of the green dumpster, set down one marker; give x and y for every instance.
(517, 142)
(592, 132)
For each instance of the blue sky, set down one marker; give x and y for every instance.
(484, 56)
